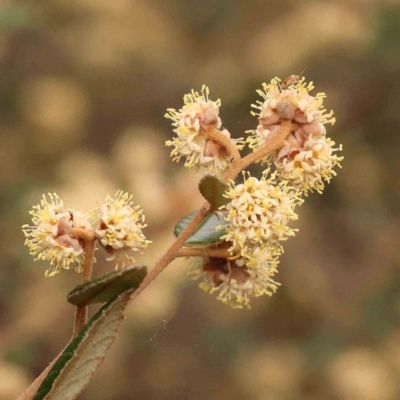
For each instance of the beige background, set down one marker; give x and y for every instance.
(84, 86)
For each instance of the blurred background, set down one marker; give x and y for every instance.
(84, 87)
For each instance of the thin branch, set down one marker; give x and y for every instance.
(202, 252)
(217, 136)
(275, 142)
(82, 312)
(172, 251)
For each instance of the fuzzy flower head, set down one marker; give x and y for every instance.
(292, 101)
(258, 215)
(306, 168)
(190, 123)
(236, 281)
(120, 228)
(49, 237)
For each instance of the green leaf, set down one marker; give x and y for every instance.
(76, 365)
(104, 288)
(213, 189)
(205, 233)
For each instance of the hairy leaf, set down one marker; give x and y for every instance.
(213, 189)
(76, 365)
(104, 288)
(205, 233)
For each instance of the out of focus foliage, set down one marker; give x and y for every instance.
(84, 86)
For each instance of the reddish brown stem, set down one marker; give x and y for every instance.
(274, 143)
(172, 251)
(217, 136)
(88, 248)
(202, 252)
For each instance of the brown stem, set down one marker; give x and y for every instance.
(202, 252)
(88, 248)
(78, 233)
(274, 143)
(217, 136)
(172, 251)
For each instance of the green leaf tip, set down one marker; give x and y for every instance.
(212, 188)
(206, 233)
(104, 288)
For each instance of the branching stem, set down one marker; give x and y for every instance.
(176, 250)
(173, 250)
(274, 143)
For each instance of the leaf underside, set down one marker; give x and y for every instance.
(104, 288)
(205, 233)
(81, 358)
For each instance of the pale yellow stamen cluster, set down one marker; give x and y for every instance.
(190, 123)
(120, 228)
(305, 159)
(236, 282)
(258, 216)
(306, 169)
(48, 238)
(292, 103)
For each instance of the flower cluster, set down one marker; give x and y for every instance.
(236, 281)
(258, 215)
(49, 238)
(306, 158)
(308, 166)
(58, 234)
(292, 134)
(240, 262)
(194, 125)
(120, 228)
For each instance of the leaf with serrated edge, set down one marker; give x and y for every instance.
(213, 190)
(81, 358)
(205, 233)
(104, 288)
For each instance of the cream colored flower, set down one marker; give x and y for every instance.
(120, 228)
(190, 123)
(292, 102)
(307, 168)
(258, 215)
(48, 239)
(236, 281)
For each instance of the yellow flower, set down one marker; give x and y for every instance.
(48, 239)
(258, 215)
(308, 167)
(190, 123)
(120, 228)
(289, 102)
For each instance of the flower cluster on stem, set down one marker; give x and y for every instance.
(306, 159)
(58, 234)
(200, 137)
(291, 133)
